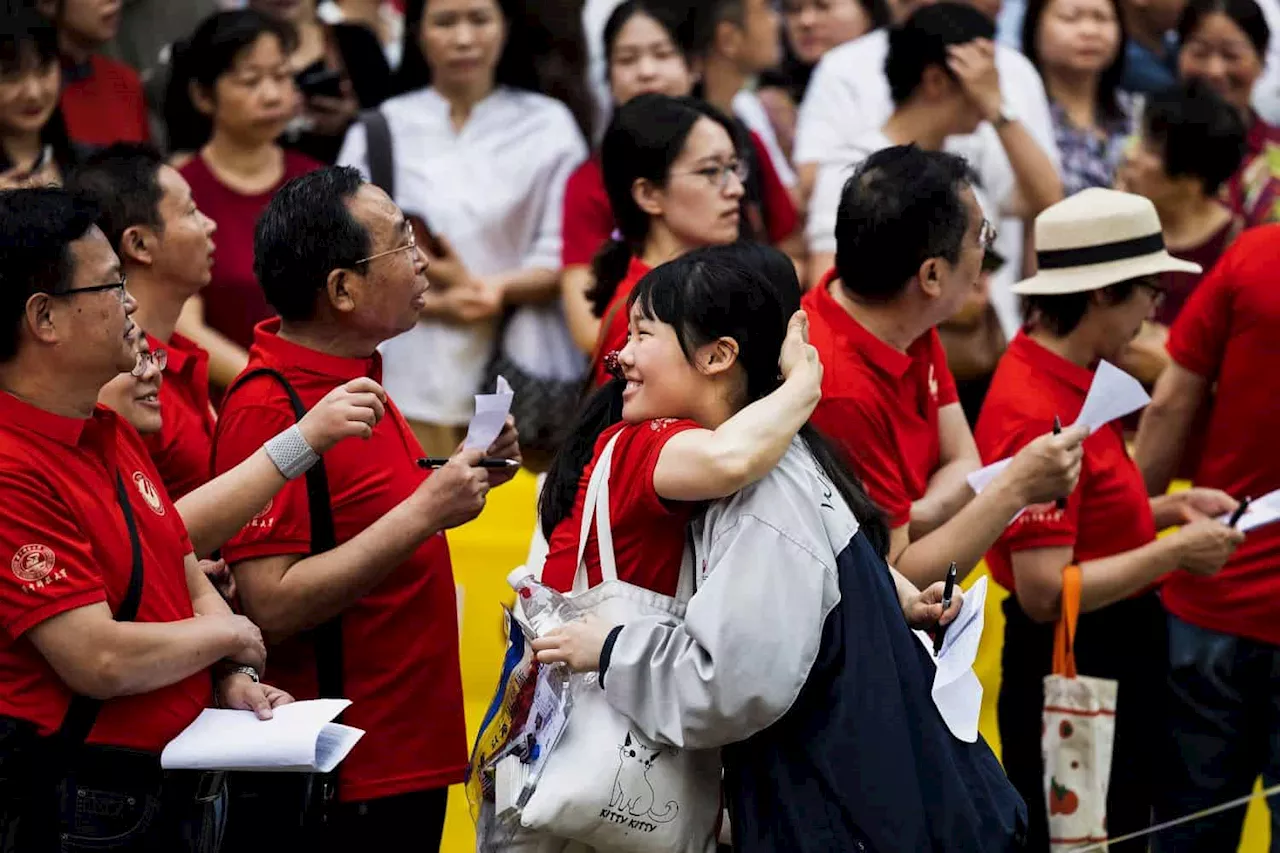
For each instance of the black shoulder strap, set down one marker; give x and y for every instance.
(82, 713)
(326, 638)
(379, 150)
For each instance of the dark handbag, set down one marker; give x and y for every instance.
(37, 774)
(316, 792)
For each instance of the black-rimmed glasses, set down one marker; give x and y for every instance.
(99, 288)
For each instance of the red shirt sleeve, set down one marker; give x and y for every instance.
(1039, 525)
(947, 393)
(587, 218)
(631, 489)
(51, 568)
(781, 218)
(1198, 337)
(867, 443)
(284, 525)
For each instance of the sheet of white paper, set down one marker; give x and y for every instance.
(299, 738)
(491, 414)
(956, 689)
(1112, 395)
(1263, 511)
(983, 477)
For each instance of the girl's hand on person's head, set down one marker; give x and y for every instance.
(577, 644)
(924, 610)
(797, 353)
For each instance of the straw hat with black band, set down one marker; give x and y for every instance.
(1097, 238)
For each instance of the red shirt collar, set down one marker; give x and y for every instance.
(19, 414)
(883, 357)
(273, 349)
(1051, 364)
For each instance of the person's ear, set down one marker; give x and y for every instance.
(935, 83)
(201, 98)
(717, 357)
(39, 318)
(649, 197)
(137, 244)
(930, 277)
(340, 286)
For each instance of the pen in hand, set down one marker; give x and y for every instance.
(1239, 513)
(1061, 503)
(432, 462)
(947, 592)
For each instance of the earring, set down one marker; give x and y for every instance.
(611, 365)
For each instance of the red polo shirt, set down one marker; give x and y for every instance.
(401, 639)
(879, 405)
(183, 447)
(588, 217)
(65, 545)
(103, 102)
(1229, 333)
(616, 321)
(648, 532)
(1109, 511)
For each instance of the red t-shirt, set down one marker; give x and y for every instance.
(233, 301)
(1109, 512)
(879, 405)
(1229, 333)
(103, 102)
(588, 218)
(616, 321)
(184, 445)
(780, 217)
(401, 638)
(65, 545)
(648, 532)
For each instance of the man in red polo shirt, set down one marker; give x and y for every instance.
(1224, 631)
(100, 593)
(338, 261)
(102, 98)
(910, 239)
(165, 245)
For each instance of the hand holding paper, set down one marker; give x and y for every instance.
(300, 738)
(956, 689)
(1265, 510)
(491, 414)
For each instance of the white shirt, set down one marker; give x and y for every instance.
(849, 95)
(495, 191)
(595, 14)
(1266, 91)
(747, 107)
(331, 13)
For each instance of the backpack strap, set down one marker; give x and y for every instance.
(83, 711)
(379, 150)
(326, 638)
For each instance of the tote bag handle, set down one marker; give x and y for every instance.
(1064, 639)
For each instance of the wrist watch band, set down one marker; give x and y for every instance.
(245, 670)
(291, 453)
(1006, 115)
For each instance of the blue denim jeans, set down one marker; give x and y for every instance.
(1224, 730)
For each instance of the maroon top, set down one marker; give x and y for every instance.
(1179, 285)
(233, 301)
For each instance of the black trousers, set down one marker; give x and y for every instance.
(264, 816)
(1126, 642)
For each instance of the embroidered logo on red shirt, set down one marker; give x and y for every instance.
(659, 424)
(933, 382)
(262, 519)
(149, 492)
(33, 563)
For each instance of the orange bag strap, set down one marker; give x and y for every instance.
(1064, 639)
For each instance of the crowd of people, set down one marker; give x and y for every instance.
(787, 276)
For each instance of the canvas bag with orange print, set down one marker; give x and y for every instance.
(1078, 736)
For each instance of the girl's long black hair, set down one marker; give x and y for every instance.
(746, 292)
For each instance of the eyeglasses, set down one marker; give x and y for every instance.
(718, 176)
(412, 244)
(986, 235)
(160, 358)
(101, 288)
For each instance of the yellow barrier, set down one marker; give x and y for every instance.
(488, 548)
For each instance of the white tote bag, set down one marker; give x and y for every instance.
(603, 784)
(1079, 733)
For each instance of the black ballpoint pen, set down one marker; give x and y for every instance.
(1239, 513)
(487, 462)
(1057, 430)
(947, 592)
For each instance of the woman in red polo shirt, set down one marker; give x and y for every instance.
(648, 50)
(674, 173)
(1100, 256)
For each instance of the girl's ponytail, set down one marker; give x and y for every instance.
(609, 267)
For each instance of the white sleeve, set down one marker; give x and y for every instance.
(820, 132)
(1266, 91)
(750, 637)
(1025, 90)
(570, 150)
(355, 150)
(824, 205)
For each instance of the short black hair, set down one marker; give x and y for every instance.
(124, 181)
(1060, 314)
(1198, 134)
(902, 206)
(37, 227)
(923, 40)
(305, 233)
(1245, 14)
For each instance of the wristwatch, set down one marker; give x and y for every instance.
(245, 670)
(1006, 115)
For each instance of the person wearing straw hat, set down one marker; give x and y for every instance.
(1100, 255)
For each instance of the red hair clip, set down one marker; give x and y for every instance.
(611, 365)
